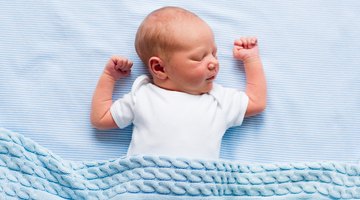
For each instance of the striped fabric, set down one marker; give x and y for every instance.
(52, 53)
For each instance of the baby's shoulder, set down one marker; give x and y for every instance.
(139, 83)
(224, 94)
(218, 91)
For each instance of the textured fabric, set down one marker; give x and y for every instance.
(53, 52)
(29, 171)
(178, 124)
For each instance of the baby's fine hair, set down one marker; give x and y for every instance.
(154, 36)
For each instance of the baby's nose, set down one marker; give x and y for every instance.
(213, 64)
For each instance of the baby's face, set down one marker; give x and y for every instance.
(193, 68)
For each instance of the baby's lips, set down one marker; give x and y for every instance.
(212, 77)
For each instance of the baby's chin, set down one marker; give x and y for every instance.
(207, 89)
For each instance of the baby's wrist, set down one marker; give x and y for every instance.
(251, 59)
(109, 76)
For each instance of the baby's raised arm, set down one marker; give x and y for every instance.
(116, 68)
(246, 49)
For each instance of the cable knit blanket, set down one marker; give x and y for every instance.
(29, 171)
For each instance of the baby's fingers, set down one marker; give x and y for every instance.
(123, 64)
(238, 43)
(236, 50)
(246, 42)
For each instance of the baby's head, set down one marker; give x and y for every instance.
(179, 50)
(155, 35)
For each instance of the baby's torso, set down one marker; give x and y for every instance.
(175, 123)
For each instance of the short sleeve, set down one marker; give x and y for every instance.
(232, 102)
(122, 110)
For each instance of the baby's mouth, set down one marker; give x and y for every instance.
(211, 78)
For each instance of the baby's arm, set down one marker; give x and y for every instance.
(246, 49)
(116, 68)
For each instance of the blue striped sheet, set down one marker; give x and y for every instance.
(52, 53)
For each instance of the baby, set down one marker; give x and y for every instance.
(179, 111)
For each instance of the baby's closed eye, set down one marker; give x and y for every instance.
(198, 57)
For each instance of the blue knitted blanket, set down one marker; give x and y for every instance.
(29, 171)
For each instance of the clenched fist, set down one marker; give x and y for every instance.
(118, 67)
(246, 49)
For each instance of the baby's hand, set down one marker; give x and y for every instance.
(246, 49)
(118, 67)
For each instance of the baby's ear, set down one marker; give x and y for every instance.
(156, 67)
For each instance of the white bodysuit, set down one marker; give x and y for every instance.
(178, 124)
